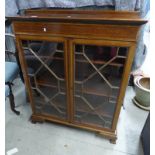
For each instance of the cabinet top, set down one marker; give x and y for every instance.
(82, 16)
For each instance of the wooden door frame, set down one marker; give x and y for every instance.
(69, 71)
(19, 38)
(124, 80)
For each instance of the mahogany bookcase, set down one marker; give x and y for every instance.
(76, 64)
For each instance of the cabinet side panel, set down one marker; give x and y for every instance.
(124, 84)
(24, 71)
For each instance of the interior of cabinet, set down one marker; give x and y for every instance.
(97, 79)
(46, 71)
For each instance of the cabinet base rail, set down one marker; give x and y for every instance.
(112, 136)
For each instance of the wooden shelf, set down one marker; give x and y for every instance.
(85, 91)
(83, 109)
(97, 62)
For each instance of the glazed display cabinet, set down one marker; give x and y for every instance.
(76, 65)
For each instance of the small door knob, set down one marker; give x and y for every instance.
(44, 29)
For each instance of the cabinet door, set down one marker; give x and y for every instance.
(98, 69)
(46, 71)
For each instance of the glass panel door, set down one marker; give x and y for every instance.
(45, 67)
(97, 78)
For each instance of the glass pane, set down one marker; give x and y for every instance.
(98, 74)
(45, 62)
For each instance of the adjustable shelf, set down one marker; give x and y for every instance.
(96, 62)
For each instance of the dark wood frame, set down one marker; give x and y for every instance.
(113, 28)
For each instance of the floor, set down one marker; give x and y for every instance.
(54, 139)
